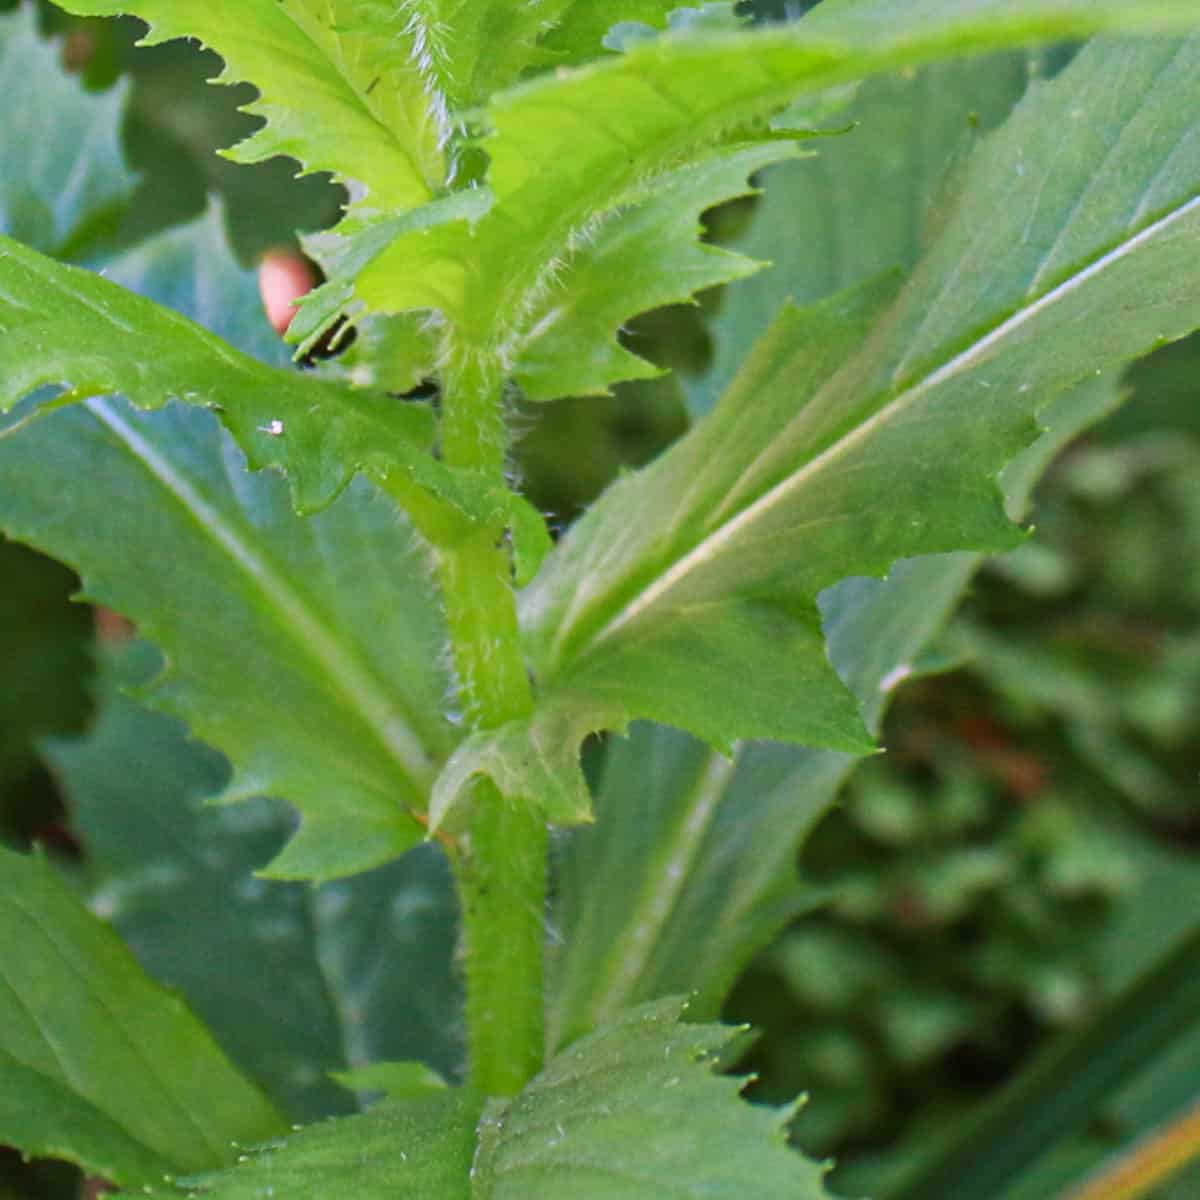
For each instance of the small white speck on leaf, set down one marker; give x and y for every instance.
(272, 428)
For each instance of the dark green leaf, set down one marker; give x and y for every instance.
(77, 1011)
(63, 166)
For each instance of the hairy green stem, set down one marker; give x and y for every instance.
(501, 868)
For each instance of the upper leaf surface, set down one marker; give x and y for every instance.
(635, 1112)
(64, 325)
(1064, 257)
(61, 148)
(645, 258)
(268, 648)
(338, 93)
(77, 1013)
(417, 1146)
(568, 148)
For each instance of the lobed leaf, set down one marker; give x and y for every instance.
(64, 172)
(567, 149)
(369, 960)
(828, 459)
(338, 93)
(268, 649)
(142, 1085)
(635, 1111)
(645, 258)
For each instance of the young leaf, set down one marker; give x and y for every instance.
(143, 1081)
(1054, 266)
(645, 258)
(415, 1146)
(63, 167)
(338, 93)
(568, 148)
(271, 650)
(635, 1112)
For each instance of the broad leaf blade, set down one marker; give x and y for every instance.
(369, 960)
(105, 1033)
(63, 166)
(635, 1112)
(62, 325)
(272, 650)
(419, 1146)
(568, 148)
(860, 204)
(1054, 267)
(45, 1118)
(338, 93)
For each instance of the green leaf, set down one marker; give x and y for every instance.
(174, 879)
(568, 148)
(60, 325)
(582, 25)
(64, 171)
(859, 205)
(369, 960)
(47, 1119)
(144, 1079)
(45, 644)
(1035, 1110)
(409, 1147)
(645, 259)
(535, 757)
(267, 647)
(338, 92)
(635, 1111)
(1055, 266)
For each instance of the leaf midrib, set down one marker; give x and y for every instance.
(712, 544)
(377, 709)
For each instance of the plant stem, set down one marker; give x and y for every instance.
(501, 868)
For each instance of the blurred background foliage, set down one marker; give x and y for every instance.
(1028, 842)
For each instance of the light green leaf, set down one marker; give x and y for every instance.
(635, 1111)
(568, 148)
(636, 261)
(1057, 264)
(267, 647)
(859, 205)
(64, 171)
(124, 1048)
(415, 1146)
(534, 757)
(582, 25)
(338, 93)
(62, 325)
